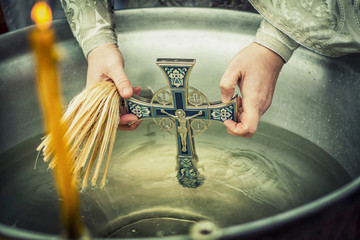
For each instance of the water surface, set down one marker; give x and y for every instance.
(245, 180)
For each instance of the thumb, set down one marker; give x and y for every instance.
(247, 126)
(228, 83)
(121, 81)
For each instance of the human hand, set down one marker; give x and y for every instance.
(128, 121)
(255, 70)
(105, 63)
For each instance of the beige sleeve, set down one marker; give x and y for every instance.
(272, 38)
(327, 27)
(91, 22)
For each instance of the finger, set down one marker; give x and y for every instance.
(228, 83)
(128, 119)
(239, 108)
(246, 127)
(236, 129)
(128, 122)
(129, 127)
(121, 81)
(137, 90)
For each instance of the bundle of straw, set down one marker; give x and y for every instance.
(92, 118)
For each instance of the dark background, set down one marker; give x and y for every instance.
(16, 14)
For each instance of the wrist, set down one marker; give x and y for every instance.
(104, 52)
(269, 56)
(275, 40)
(101, 48)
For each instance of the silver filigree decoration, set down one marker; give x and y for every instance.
(163, 97)
(166, 124)
(222, 114)
(199, 126)
(139, 111)
(195, 98)
(176, 75)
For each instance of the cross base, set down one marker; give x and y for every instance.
(188, 175)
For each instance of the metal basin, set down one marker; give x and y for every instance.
(316, 98)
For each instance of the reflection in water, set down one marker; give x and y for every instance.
(246, 179)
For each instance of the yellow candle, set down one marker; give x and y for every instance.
(42, 41)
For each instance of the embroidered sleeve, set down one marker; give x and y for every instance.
(272, 38)
(91, 22)
(328, 27)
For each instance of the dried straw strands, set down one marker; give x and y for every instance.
(92, 118)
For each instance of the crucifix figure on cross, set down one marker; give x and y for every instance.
(180, 116)
(183, 111)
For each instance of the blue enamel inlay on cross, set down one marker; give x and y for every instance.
(180, 107)
(176, 75)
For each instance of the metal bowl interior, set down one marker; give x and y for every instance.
(316, 97)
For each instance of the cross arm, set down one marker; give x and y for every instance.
(139, 106)
(219, 111)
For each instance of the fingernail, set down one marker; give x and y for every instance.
(126, 92)
(135, 122)
(132, 123)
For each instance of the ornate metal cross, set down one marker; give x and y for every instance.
(182, 111)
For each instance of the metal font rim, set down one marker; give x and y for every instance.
(241, 230)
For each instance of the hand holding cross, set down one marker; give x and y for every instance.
(183, 110)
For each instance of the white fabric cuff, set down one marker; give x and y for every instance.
(100, 39)
(92, 22)
(272, 38)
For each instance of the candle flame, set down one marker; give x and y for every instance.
(41, 14)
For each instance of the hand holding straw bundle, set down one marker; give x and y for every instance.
(92, 118)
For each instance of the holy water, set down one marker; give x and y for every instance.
(245, 180)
